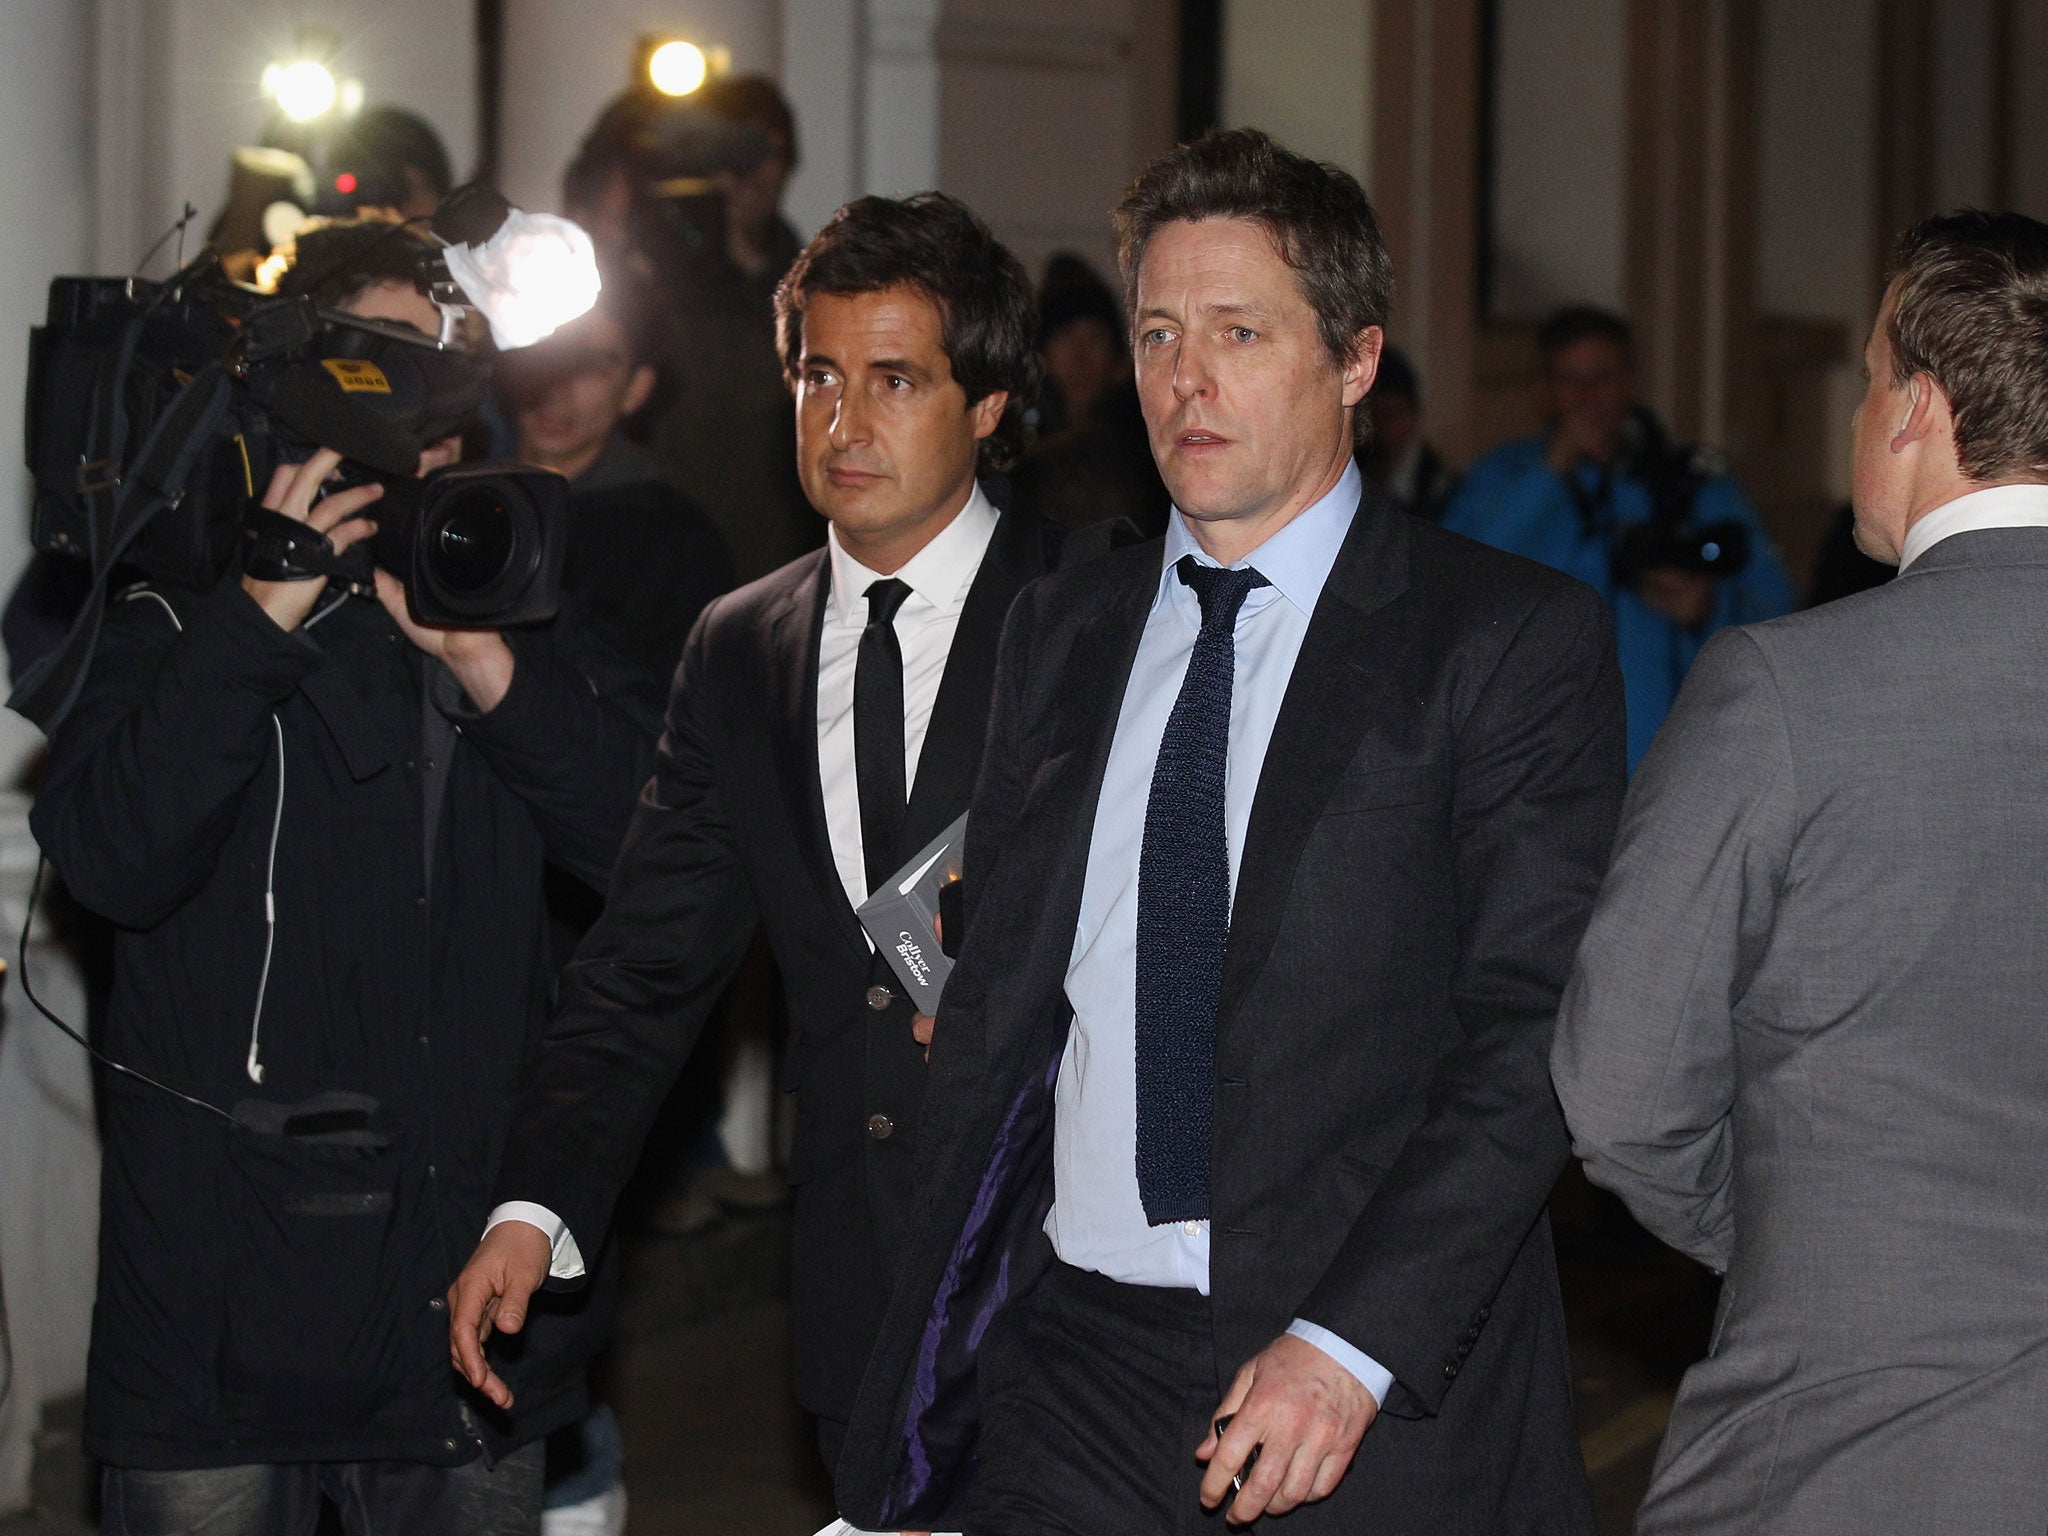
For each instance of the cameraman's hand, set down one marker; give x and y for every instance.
(479, 658)
(295, 491)
(1582, 437)
(1684, 597)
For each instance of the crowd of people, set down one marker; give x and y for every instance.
(1306, 931)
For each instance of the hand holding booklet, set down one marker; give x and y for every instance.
(903, 917)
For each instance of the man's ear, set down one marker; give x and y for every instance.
(638, 388)
(1364, 365)
(986, 414)
(1927, 413)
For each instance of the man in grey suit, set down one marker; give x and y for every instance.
(1807, 1034)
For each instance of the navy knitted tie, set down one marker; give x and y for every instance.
(1184, 911)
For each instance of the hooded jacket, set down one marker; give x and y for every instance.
(324, 868)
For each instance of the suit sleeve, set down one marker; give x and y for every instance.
(678, 918)
(571, 738)
(1645, 1054)
(1537, 782)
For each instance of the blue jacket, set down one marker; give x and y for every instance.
(1513, 500)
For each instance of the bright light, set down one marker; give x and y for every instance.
(677, 68)
(303, 90)
(536, 273)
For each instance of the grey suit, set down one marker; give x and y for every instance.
(1807, 1041)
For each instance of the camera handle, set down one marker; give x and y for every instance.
(277, 547)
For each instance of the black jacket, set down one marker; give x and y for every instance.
(271, 1291)
(643, 559)
(731, 829)
(1428, 834)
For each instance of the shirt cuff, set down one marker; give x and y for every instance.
(1373, 1376)
(565, 1258)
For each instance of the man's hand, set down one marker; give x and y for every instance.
(479, 658)
(921, 1032)
(295, 491)
(491, 1292)
(1582, 437)
(1306, 1413)
(1684, 597)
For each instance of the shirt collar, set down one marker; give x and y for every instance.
(1996, 506)
(1297, 560)
(940, 573)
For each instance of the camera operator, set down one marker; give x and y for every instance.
(691, 191)
(643, 557)
(320, 829)
(1662, 530)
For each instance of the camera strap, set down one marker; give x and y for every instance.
(278, 547)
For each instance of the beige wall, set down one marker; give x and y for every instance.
(1046, 117)
(1302, 70)
(1560, 73)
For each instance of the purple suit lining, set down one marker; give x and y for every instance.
(1001, 1251)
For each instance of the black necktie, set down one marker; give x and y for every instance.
(878, 731)
(1184, 911)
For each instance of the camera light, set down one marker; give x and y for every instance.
(303, 90)
(536, 273)
(677, 68)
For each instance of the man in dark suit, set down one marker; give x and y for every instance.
(826, 723)
(1283, 841)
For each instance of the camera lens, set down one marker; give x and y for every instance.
(472, 542)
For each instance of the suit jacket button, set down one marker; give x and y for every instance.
(1450, 1369)
(880, 998)
(881, 1127)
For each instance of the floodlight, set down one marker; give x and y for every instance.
(677, 68)
(303, 90)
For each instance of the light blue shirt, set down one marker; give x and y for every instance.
(1097, 1221)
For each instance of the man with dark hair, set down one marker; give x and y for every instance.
(385, 157)
(758, 239)
(723, 431)
(1239, 1130)
(1091, 461)
(320, 830)
(1662, 531)
(1397, 457)
(1803, 1040)
(826, 724)
(643, 558)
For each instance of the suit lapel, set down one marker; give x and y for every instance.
(951, 756)
(793, 670)
(1338, 688)
(1056, 818)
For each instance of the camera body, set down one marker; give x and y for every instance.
(1672, 537)
(110, 428)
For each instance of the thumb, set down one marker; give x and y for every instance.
(515, 1289)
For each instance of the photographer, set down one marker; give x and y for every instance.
(1663, 531)
(320, 829)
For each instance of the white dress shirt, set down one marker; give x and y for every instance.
(1997, 506)
(938, 576)
(1097, 1221)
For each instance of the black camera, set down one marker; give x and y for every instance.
(1700, 549)
(157, 412)
(1672, 538)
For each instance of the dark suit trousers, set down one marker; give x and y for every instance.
(1094, 1397)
